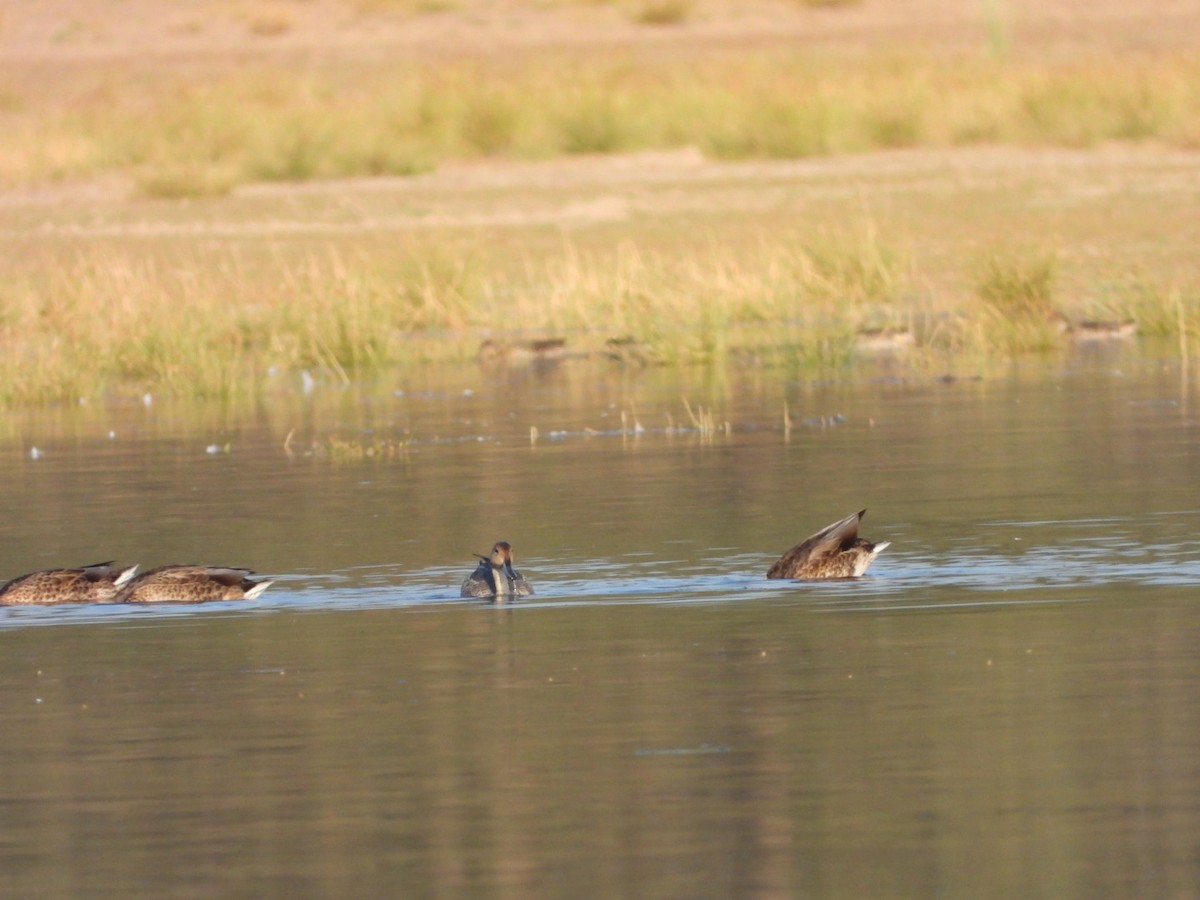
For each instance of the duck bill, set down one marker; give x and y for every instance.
(510, 571)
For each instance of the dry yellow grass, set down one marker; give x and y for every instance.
(182, 136)
(196, 220)
(140, 310)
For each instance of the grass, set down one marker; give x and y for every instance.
(705, 421)
(177, 136)
(174, 322)
(663, 12)
(235, 316)
(1019, 313)
(1018, 288)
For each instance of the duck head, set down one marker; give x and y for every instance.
(501, 559)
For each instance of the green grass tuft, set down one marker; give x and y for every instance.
(1019, 289)
(1018, 294)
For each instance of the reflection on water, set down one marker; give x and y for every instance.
(1009, 699)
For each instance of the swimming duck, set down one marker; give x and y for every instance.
(496, 577)
(191, 584)
(97, 583)
(835, 551)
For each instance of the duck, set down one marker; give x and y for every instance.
(1091, 330)
(496, 577)
(541, 352)
(835, 551)
(883, 340)
(191, 584)
(1095, 330)
(95, 583)
(629, 351)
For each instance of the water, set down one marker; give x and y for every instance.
(1007, 705)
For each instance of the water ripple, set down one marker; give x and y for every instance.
(899, 581)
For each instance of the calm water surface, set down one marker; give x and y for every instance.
(1007, 706)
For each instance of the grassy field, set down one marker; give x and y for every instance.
(198, 200)
(182, 137)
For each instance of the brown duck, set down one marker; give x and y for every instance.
(97, 583)
(191, 584)
(835, 551)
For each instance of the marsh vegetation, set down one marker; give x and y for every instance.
(199, 229)
(218, 333)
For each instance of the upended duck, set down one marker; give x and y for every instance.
(495, 576)
(95, 583)
(835, 551)
(191, 584)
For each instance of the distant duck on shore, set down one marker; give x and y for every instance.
(540, 352)
(1087, 330)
